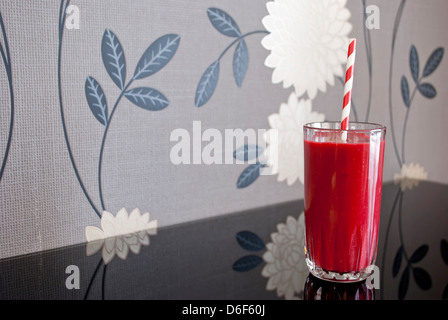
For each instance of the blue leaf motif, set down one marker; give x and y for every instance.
(433, 62)
(249, 241)
(445, 293)
(414, 63)
(158, 54)
(405, 91)
(147, 98)
(207, 84)
(96, 100)
(249, 175)
(113, 58)
(404, 284)
(247, 263)
(422, 278)
(419, 254)
(247, 152)
(427, 90)
(397, 262)
(240, 62)
(223, 22)
(444, 250)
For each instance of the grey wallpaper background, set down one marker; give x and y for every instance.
(42, 205)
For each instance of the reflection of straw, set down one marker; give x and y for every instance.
(348, 87)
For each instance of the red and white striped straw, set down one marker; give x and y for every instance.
(348, 84)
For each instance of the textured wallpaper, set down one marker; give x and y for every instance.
(117, 116)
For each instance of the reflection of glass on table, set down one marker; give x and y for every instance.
(316, 289)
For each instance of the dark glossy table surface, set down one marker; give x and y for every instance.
(250, 255)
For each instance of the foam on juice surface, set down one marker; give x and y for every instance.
(337, 137)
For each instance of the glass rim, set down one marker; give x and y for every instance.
(374, 126)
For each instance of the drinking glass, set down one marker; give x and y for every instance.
(343, 181)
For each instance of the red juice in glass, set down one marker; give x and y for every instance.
(343, 180)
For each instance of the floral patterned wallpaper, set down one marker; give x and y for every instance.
(92, 91)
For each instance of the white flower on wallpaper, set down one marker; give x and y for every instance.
(288, 122)
(285, 259)
(410, 176)
(308, 43)
(120, 234)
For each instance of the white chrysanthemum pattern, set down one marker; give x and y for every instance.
(288, 123)
(308, 43)
(120, 234)
(285, 259)
(410, 176)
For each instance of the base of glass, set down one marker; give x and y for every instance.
(336, 276)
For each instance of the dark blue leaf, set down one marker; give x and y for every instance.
(404, 284)
(405, 91)
(445, 293)
(249, 241)
(419, 254)
(397, 262)
(444, 250)
(207, 84)
(158, 54)
(247, 152)
(240, 62)
(223, 22)
(433, 62)
(247, 263)
(249, 175)
(427, 90)
(96, 100)
(147, 98)
(413, 63)
(422, 278)
(113, 58)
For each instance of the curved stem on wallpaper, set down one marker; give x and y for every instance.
(61, 106)
(103, 283)
(403, 138)
(7, 62)
(93, 278)
(238, 39)
(400, 228)
(394, 35)
(103, 142)
(368, 44)
(62, 10)
(389, 223)
(352, 106)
